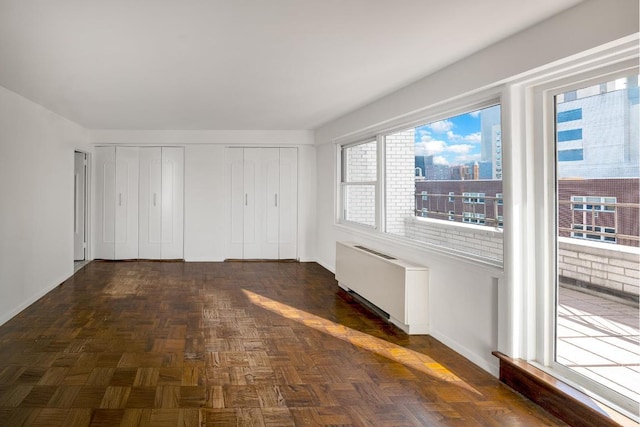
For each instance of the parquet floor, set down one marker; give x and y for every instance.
(232, 344)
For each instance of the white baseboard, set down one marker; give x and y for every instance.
(5, 317)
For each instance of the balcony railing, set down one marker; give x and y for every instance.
(604, 221)
(473, 208)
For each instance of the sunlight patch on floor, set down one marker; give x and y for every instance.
(407, 357)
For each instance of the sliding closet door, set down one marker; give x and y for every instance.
(263, 203)
(172, 203)
(254, 199)
(161, 232)
(237, 200)
(150, 215)
(105, 225)
(270, 176)
(288, 204)
(126, 213)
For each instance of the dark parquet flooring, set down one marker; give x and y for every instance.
(232, 344)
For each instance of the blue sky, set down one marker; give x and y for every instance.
(452, 141)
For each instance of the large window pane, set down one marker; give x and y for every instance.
(598, 254)
(449, 170)
(359, 183)
(360, 204)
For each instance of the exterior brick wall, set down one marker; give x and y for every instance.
(485, 242)
(400, 179)
(614, 269)
(603, 267)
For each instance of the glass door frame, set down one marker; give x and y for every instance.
(546, 246)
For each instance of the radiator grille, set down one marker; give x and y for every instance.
(371, 251)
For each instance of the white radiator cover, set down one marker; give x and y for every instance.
(398, 287)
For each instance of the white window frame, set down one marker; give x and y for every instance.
(482, 99)
(539, 320)
(345, 184)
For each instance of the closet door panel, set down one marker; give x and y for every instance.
(288, 204)
(271, 178)
(254, 199)
(172, 202)
(235, 175)
(105, 202)
(126, 212)
(150, 215)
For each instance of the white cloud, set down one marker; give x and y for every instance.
(440, 160)
(474, 138)
(466, 158)
(441, 126)
(430, 147)
(475, 114)
(459, 148)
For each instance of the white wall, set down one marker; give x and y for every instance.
(36, 204)
(463, 304)
(206, 190)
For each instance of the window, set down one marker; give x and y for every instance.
(601, 232)
(593, 204)
(569, 135)
(473, 218)
(359, 183)
(499, 198)
(473, 198)
(419, 172)
(570, 155)
(569, 115)
(597, 217)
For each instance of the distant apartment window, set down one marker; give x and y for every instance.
(473, 198)
(499, 198)
(425, 195)
(452, 198)
(593, 204)
(569, 115)
(590, 235)
(569, 135)
(573, 155)
(452, 215)
(359, 183)
(473, 218)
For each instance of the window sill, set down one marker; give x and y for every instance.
(385, 238)
(565, 402)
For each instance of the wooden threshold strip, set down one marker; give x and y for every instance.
(565, 402)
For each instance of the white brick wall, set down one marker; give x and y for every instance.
(611, 266)
(615, 267)
(485, 242)
(400, 180)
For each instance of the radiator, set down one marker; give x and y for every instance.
(398, 288)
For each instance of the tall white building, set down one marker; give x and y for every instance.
(597, 131)
(491, 134)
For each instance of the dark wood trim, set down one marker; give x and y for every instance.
(565, 402)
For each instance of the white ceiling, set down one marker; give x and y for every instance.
(238, 64)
